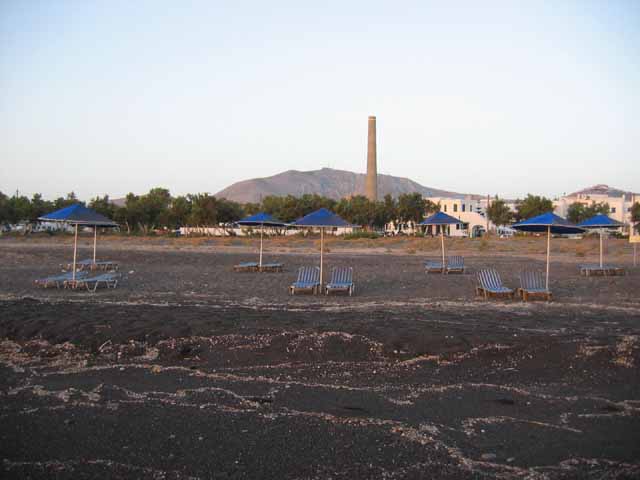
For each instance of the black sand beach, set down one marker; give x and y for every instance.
(188, 370)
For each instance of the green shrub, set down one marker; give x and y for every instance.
(361, 234)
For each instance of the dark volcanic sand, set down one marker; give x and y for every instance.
(191, 370)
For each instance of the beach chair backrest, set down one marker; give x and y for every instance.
(308, 275)
(342, 275)
(456, 261)
(531, 280)
(489, 278)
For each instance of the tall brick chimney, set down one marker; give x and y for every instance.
(371, 182)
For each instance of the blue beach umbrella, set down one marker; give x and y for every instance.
(261, 220)
(549, 223)
(79, 215)
(321, 219)
(600, 222)
(441, 219)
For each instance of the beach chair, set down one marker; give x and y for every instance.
(490, 285)
(271, 267)
(246, 267)
(341, 281)
(57, 280)
(433, 266)
(595, 269)
(532, 285)
(109, 280)
(455, 264)
(308, 280)
(89, 264)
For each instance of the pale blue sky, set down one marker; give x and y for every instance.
(485, 97)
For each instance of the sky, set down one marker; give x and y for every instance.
(494, 97)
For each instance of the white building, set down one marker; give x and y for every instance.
(470, 210)
(620, 202)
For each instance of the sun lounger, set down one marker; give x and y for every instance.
(490, 285)
(89, 264)
(532, 285)
(57, 280)
(433, 266)
(109, 280)
(455, 264)
(271, 267)
(341, 281)
(596, 269)
(308, 280)
(246, 267)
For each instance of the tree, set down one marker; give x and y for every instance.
(499, 213)
(635, 212)
(103, 206)
(411, 207)
(532, 206)
(4, 208)
(179, 211)
(579, 212)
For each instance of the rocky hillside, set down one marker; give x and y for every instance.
(326, 182)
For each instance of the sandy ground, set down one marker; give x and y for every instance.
(189, 370)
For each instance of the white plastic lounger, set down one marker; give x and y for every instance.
(532, 285)
(490, 285)
(341, 281)
(308, 281)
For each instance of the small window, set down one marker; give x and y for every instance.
(628, 209)
(613, 209)
(463, 207)
(445, 208)
(455, 207)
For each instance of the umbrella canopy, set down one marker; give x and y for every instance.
(442, 219)
(261, 219)
(321, 219)
(600, 222)
(79, 215)
(550, 223)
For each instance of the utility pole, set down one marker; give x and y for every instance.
(486, 213)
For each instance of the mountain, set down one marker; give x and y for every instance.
(327, 182)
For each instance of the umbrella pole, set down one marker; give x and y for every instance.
(75, 249)
(321, 252)
(548, 250)
(261, 234)
(601, 249)
(95, 242)
(442, 241)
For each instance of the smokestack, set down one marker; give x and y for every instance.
(371, 183)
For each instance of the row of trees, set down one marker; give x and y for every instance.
(159, 209)
(500, 213)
